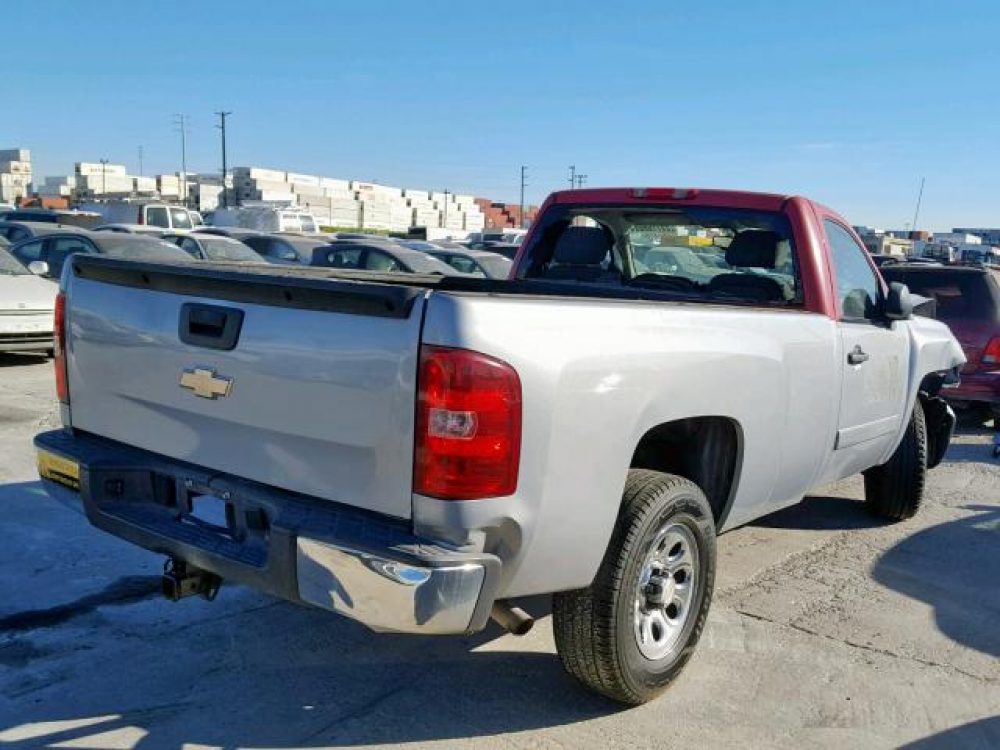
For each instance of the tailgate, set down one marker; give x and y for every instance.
(314, 393)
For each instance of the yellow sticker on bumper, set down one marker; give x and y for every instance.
(62, 470)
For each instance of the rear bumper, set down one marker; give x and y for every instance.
(978, 386)
(25, 342)
(365, 566)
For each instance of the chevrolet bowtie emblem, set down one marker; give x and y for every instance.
(202, 381)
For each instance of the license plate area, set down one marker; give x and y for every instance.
(211, 513)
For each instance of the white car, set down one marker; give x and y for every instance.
(27, 307)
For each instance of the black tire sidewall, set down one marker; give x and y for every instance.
(685, 507)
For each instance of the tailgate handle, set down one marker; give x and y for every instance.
(210, 326)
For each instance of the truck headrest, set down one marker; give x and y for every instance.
(582, 246)
(753, 248)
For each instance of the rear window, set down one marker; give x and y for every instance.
(219, 248)
(717, 254)
(958, 295)
(140, 248)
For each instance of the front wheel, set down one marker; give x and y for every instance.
(895, 490)
(630, 632)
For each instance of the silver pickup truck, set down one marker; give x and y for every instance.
(417, 452)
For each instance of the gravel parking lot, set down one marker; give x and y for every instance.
(828, 629)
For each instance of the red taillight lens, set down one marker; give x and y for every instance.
(468, 431)
(991, 354)
(59, 348)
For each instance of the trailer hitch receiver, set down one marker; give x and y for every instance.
(181, 580)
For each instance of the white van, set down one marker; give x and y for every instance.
(153, 214)
(265, 219)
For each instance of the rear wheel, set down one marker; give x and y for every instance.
(634, 628)
(895, 490)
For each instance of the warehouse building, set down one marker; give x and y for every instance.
(15, 174)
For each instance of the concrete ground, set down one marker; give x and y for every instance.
(828, 630)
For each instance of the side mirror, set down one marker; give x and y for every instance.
(39, 267)
(899, 302)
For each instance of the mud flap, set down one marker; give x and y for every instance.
(940, 428)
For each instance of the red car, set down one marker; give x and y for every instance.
(968, 300)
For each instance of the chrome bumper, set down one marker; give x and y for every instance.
(388, 595)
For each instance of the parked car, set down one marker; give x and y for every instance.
(417, 453)
(148, 213)
(266, 219)
(15, 231)
(45, 255)
(66, 217)
(968, 300)
(285, 248)
(131, 229)
(27, 305)
(475, 262)
(210, 247)
(384, 257)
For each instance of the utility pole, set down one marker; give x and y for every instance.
(181, 121)
(104, 177)
(140, 160)
(920, 195)
(524, 175)
(222, 126)
(572, 176)
(580, 180)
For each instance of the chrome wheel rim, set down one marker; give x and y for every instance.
(665, 591)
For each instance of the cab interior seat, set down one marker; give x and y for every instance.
(583, 254)
(750, 249)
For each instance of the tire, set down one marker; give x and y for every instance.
(598, 629)
(895, 490)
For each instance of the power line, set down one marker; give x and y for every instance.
(581, 179)
(222, 126)
(572, 176)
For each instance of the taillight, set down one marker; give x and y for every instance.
(991, 354)
(59, 349)
(468, 427)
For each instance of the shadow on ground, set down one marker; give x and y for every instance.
(8, 359)
(953, 567)
(357, 688)
(978, 735)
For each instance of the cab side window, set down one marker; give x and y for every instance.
(858, 287)
(190, 247)
(29, 251)
(379, 261)
(346, 258)
(60, 249)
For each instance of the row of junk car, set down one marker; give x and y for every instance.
(35, 243)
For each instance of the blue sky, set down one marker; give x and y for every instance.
(850, 102)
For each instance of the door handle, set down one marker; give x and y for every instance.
(857, 356)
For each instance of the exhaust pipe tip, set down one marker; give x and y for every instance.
(512, 619)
